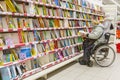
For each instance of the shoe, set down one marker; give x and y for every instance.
(82, 62)
(90, 63)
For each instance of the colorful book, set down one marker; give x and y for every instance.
(36, 23)
(33, 51)
(18, 8)
(1, 8)
(13, 71)
(6, 74)
(35, 63)
(36, 36)
(10, 6)
(41, 22)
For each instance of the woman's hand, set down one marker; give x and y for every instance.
(83, 35)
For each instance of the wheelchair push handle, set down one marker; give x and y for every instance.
(110, 34)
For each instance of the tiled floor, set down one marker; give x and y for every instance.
(75, 71)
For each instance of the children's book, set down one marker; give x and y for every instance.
(6, 74)
(35, 63)
(10, 6)
(13, 71)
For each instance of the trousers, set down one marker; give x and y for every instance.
(88, 44)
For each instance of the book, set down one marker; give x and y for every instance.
(18, 9)
(40, 48)
(41, 22)
(46, 23)
(51, 57)
(51, 45)
(56, 23)
(25, 53)
(1, 8)
(1, 23)
(36, 36)
(14, 54)
(51, 23)
(33, 51)
(44, 9)
(2, 41)
(35, 63)
(10, 5)
(37, 11)
(1, 59)
(82, 32)
(36, 23)
(6, 75)
(43, 60)
(13, 71)
(60, 55)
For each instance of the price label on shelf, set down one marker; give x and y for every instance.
(5, 47)
(5, 30)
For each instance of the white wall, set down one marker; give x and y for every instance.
(98, 2)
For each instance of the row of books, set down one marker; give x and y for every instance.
(31, 36)
(14, 6)
(17, 70)
(13, 22)
(11, 55)
(78, 23)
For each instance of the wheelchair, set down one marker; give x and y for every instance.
(103, 54)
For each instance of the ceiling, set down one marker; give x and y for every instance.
(106, 2)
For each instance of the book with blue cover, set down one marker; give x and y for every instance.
(56, 2)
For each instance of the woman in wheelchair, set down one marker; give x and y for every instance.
(92, 39)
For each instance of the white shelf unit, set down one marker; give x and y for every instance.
(83, 15)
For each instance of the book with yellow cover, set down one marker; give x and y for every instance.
(10, 6)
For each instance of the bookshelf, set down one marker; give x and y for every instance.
(39, 36)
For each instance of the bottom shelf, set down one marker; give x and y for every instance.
(53, 66)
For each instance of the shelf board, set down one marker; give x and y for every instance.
(50, 69)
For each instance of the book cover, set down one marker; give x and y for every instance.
(40, 48)
(51, 45)
(44, 9)
(46, 22)
(3, 6)
(36, 36)
(1, 58)
(36, 23)
(51, 22)
(14, 54)
(6, 75)
(56, 23)
(60, 54)
(17, 7)
(27, 65)
(51, 57)
(10, 6)
(13, 71)
(1, 23)
(37, 11)
(43, 60)
(33, 51)
(41, 22)
(25, 53)
(53, 36)
(35, 63)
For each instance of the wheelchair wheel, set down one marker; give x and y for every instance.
(104, 56)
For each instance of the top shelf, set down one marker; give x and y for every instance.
(54, 6)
